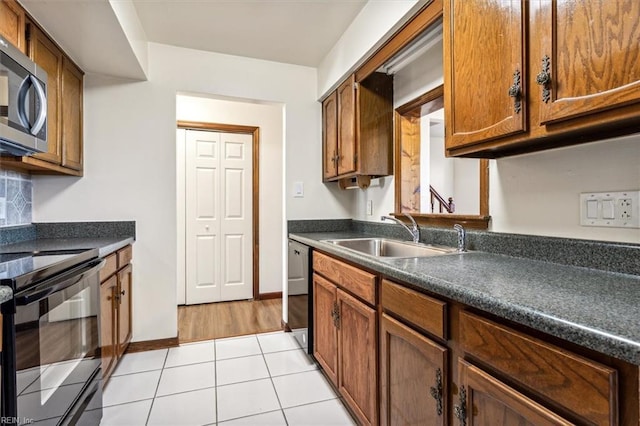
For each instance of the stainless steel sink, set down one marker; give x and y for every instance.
(383, 247)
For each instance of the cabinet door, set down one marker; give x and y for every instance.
(591, 50)
(413, 375)
(330, 136)
(47, 55)
(108, 325)
(71, 116)
(484, 50)
(124, 308)
(12, 23)
(487, 401)
(357, 345)
(347, 147)
(325, 332)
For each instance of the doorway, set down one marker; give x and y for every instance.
(218, 187)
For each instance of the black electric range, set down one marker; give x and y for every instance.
(50, 343)
(19, 270)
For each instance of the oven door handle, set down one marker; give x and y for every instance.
(55, 284)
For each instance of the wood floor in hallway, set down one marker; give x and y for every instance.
(228, 319)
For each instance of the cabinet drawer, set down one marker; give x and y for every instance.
(110, 267)
(358, 282)
(423, 311)
(124, 256)
(582, 386)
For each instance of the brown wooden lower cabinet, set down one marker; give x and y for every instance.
(345, 333)
(486, 401)
(325, 331)
(357, 352)
(108, 324)
(115, 310)
(413, 377)
(442, 363)
(124, 308)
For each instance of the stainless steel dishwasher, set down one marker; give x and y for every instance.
(299, 295)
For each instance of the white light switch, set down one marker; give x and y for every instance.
(592, 209)
(608, 211)
(3, 208)
(298, 189)
(615, 209)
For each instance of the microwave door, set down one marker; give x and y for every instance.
(23, 107)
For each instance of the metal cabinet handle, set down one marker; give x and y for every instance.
(544, 79)
(335, 314)
(436, 391)
(460, 411)
(515, 91)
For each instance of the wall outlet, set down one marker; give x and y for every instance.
(610, 209)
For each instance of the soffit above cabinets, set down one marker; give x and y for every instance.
(92, 34)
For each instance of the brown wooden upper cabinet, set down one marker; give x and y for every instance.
(12, 23)
(64, 98)
(358, 128)
(64, 113)
(523, 76)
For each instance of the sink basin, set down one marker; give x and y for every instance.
(383, 247)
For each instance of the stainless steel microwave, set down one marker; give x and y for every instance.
(23, 103)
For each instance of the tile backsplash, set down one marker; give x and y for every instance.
(15, 198)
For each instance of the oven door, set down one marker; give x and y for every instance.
(56, 345)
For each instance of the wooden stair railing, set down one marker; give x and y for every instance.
(448, 205)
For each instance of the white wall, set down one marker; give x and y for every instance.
(418, 77)
(270, 120)
(376, 22)
(130, 164)
(539, 193)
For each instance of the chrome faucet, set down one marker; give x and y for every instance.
(414, 230)
(462, 238)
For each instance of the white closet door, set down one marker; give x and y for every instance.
(218, 217)
(236, 216)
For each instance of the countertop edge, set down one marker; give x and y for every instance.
(111, 248)
(579, 334)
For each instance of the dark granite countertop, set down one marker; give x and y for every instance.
(105, 245)
(592, 308)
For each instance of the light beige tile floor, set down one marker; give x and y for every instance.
(263, 379)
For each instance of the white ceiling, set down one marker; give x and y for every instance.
(292, 31)
(109, 36)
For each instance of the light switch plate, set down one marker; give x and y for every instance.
(610, 209)
(298, 189)
(3, 208)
